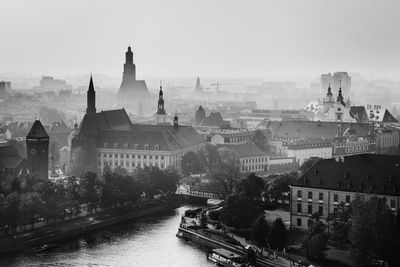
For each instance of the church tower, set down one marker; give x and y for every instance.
(160, 109)
(129, 74)
(91, 98)
(329, 95)
(37, 147)
(161, 115)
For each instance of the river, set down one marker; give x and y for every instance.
(146, 242)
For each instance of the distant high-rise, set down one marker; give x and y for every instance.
(198, 88)
(133, 94)
(326, 81)
(343, 80)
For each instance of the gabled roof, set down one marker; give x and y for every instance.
(37, 131)
(214, 120)
(380, 115)
(165, 136)
(117, 119)
(366, 173)
(311, 129)
(9, 157)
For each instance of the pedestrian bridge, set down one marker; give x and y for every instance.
(200, 192)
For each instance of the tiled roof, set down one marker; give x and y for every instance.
(9, 157)
(309, 143)
(242, 150)
(166, 137)
(105, 120)
(37, 131)
(311, 129)
(359, 113)
(367, 173)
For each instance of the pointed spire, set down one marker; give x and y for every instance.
(91, 87)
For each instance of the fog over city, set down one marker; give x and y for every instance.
(200, 132)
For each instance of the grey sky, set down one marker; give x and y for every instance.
(203, 37)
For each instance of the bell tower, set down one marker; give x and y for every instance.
(37, 148)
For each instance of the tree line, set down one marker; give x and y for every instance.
(28, 199)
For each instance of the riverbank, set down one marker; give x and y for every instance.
(69, 229)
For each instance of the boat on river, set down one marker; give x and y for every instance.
(226, 258)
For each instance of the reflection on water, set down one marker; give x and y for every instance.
(147, 242)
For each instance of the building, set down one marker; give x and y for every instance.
(307, 148)
(109, 138)
(161, 115)
(12, 163)
(331, 181)
(342, 80)
(213, 121)
(133, 94)
(326, 80)
(349, 142)
(37, 147)
(4, 87)
(380, 115)
(198, 89)
(250, 157)
(231, 136)
(49, 83)
(329, 109)
(387, 139)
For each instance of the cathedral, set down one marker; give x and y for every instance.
(331, 109)
(110, 139)
(133, 94)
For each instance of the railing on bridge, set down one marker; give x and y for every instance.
(198, 192)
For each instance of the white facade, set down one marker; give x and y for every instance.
(303, 154)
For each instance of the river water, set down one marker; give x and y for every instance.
(146, 242)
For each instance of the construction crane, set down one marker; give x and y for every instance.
(217, 85)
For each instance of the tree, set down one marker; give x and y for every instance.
(227, 174)
(260, 230)
(251, 186)
(259, 139)
(239, 211)
(54, 196)
(373, 234)
(191, 163)
(30, 205)
(316, 240)
(277, 237)
(203, 220)
(91, 190)
(12, 213)
(278, 188)
(341, 223)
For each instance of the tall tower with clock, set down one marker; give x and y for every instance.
(37, 150)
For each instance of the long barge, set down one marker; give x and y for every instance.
(207, 243)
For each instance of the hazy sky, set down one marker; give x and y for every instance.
(228, 38)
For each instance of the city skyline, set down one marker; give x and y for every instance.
(265, 39)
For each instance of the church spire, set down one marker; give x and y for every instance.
(91, 98)
(340, 97)
(160, 108)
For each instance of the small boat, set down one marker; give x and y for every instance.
(226, 258)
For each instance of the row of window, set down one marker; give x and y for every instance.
(129, 146)
(253, 168)
(309, 209)
(321, 196)
(254, 160)
(126, 164)
(392, 202)
(122, 156)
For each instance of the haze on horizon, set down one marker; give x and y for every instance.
(253, 38)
